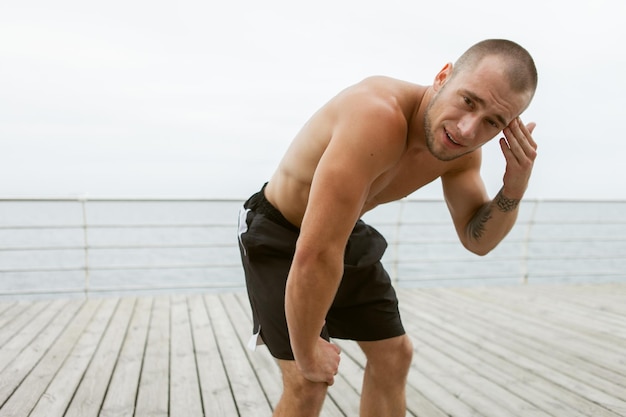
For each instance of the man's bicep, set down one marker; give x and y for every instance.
(338, 192)
(363, 147)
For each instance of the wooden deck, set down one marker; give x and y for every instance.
(515, 351)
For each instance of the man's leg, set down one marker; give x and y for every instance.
(384, 382)
(300, 397)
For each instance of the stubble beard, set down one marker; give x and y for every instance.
(431, 140)
(430, 136)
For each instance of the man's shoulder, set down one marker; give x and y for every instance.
(383, 80)
(383, 87)
(380, 97)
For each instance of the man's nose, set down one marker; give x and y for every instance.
(468, 125)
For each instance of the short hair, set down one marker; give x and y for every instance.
(520, 66)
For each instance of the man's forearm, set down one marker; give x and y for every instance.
(491, 223)
(309, 294)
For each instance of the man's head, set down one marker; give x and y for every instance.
(517, 63)
(490, 85)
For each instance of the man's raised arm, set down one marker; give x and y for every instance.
(482, 223)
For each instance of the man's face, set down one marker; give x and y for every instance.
(469, 109)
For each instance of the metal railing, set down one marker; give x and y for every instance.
(103, 246)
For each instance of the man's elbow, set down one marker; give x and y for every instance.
(476, 247)
(316, 260)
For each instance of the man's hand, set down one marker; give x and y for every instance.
(520, 151)
(324, 364)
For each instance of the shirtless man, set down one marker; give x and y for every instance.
(311, 273)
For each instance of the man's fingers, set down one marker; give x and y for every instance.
(520, 141)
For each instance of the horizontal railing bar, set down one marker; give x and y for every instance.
(454, 242)
(110, 247)
(151, 267)
(40, 291)
(41, 227)
(188, 286)
(121, 226)
(233, 245)
(237, 265)
(483, 260)
(119, 268)
(568, 274)
(511, 240)
(42, 269)
(176, 199)
(457, 277)
(573, 222)
(232, 225)
(460, 277)
(36, 199)
(80, 290)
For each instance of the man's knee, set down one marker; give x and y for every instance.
(392, 356)
(298, 388)
(400, 360)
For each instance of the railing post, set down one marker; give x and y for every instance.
(526, 243)
(83, 201)
(396, 245)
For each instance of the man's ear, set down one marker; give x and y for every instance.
(442, 76)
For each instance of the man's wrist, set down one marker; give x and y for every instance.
(504, 203)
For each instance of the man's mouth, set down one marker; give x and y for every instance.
(451, 139)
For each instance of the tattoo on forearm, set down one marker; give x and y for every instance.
(477, 224)
(504, 203)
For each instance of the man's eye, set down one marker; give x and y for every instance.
(468, 101)
(493, 124)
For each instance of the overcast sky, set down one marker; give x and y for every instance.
(194, 98)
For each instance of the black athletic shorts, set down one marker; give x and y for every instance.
(365, 307)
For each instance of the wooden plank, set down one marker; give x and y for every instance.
(446, 373)
(249, 396)
(215, 389)
(59, 393)
(12, 311)
(502, 336)
(89, 396)
(530, 351)
(18, 321)
(345, 394)
(602, 328)
(24, 399)
(153, 393)
(29, 332)
(264, 365)
(449, 336)
(475, 388)
(185, 400)
(437, 395)
(352, 368)
(602, 299)
(19, 367)
(122, 390)
(5, 307)
(581, 357)
(433, 378)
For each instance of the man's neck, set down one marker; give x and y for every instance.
(416, 135)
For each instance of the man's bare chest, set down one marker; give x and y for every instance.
(411, 173)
